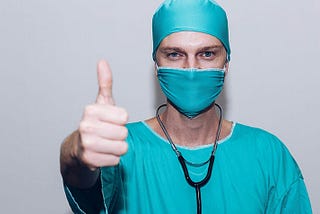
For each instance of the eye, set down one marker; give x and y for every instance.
(173, 55)
(208, 54)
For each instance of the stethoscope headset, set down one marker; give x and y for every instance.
(183, 161)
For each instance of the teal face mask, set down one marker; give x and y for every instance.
(191, 91)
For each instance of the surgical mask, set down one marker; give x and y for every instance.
(191, 91)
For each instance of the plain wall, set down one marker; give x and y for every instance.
(48, 55)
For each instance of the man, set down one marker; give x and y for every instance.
(187, 159)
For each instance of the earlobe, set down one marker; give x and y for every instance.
(226, 68)
(155, 68)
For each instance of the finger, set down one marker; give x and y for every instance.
(105, 83)
(94, 160)
(106, 113)
(117, 148)
(102, 130)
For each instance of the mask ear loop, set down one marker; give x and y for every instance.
(156, 66)
(225, 69)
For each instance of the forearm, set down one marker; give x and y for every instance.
(75, 173)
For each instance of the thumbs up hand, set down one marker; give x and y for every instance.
(102, 128)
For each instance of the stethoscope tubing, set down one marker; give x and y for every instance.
(182, 161)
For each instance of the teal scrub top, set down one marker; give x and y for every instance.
(253, 173)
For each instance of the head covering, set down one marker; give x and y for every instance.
(204, 16)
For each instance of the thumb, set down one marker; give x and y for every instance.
(105, 83)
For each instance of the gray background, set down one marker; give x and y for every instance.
(48, 55)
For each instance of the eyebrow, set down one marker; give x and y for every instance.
(177, 49)
(211, 47)
(169, 49)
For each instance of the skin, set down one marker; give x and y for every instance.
(100, 139)
(191, 50)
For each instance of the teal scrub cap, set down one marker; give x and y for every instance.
(204, 16)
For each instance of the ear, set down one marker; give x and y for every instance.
(226, 65)
(155, 68)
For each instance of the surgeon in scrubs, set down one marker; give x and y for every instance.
(187, 159)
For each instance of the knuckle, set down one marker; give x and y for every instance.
(81, 127)
(124, 115)
(86, 144)
(90, 160)
(85, 127)
(123, 148)
(85, 158)
(90, 110)
(114, 160)
(124, 133)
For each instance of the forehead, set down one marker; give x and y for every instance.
(185, 39)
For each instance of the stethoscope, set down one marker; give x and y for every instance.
(204, 181)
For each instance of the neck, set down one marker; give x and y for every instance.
(197, 131)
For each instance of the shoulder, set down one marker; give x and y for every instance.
(134, 125)
(272, 154)
(250, 131)
(140, 133)
(267, 147)
(136, 129)
(261, 138)
(256, 137)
